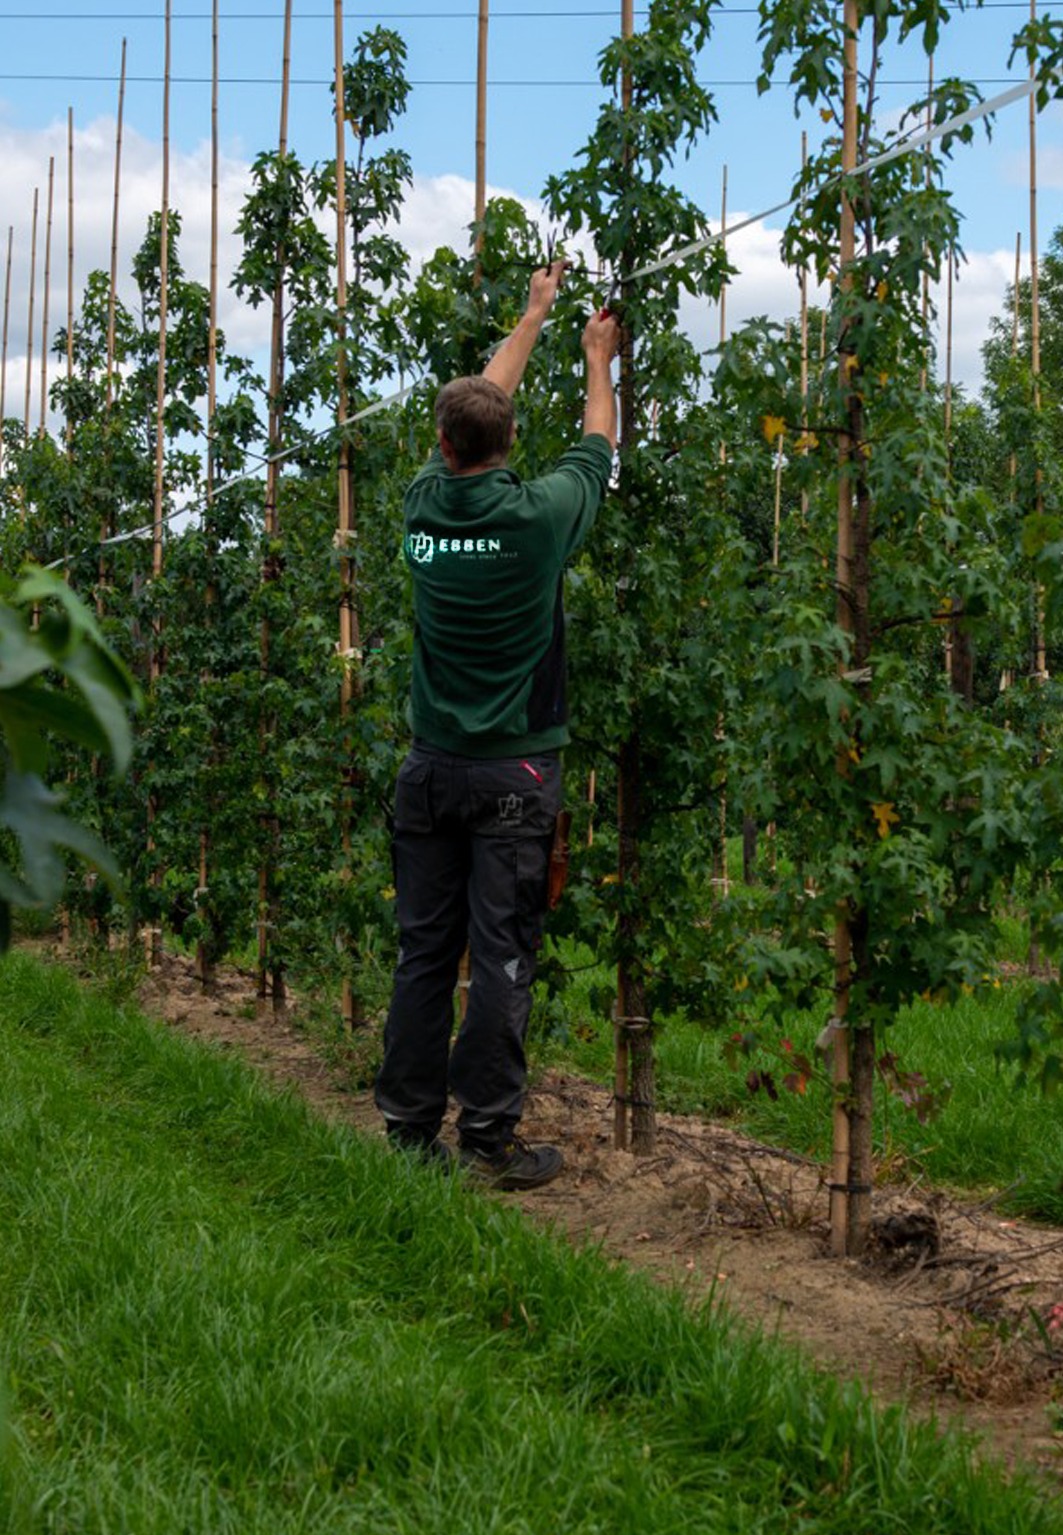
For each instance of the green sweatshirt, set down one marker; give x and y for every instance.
(487, 553)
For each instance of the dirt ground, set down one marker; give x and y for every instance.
(942, 1312)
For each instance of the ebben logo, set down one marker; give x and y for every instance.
(421, 547)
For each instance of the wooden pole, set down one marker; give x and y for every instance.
(592, 794)
(839, 1187)
(804, 349)
(1040, 666)
(160, 373)
(154, 946)
(204, 962)
(723, 242)
(106, 520)
(69, 270)
(113, 290)
(47, 296)
(948, 359)
(627, 791)
(723, 285)
(481, 126)
(3, 351)
(344, 527)
(29, 325)
(925, 306)
(270, 974)
(1012, 464)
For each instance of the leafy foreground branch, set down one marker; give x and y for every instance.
(227, 1316)
(46, 633)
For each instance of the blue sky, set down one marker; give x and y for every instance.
(542, 105)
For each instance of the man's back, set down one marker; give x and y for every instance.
(487, 552)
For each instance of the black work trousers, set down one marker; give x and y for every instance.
(472, 849)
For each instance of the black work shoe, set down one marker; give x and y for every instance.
(514, 1164)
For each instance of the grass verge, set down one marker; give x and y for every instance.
(223, 1315)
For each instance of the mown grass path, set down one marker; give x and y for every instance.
(224, 1315)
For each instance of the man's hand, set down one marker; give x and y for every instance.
(506, 367)
(544, 286)
(602, 337)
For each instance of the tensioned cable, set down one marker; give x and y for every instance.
(566, 15)
(464, 84)
(918, 139)
(202, 503)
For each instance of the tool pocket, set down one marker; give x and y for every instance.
(413, 797)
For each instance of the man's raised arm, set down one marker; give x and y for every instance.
(601, 342)
(506, 368)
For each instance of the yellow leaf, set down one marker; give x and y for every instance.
(886, 817)
(946, 604)
(883, 379)
(854, 752)
(849, 364)
(774, 427)
(809, 440)
(825, 113)
(968, 991)
(610, 879)
(882, 291)
(832, 276)
(388, 893)
(742, 983)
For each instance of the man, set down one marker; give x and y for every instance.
(477, 797)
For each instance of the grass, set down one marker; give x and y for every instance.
(992, 1134)
(223, 1315)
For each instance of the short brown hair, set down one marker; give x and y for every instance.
(476, 418)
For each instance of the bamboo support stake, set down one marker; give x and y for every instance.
(29, 325)
(270, 975)
(948, 358)
(1012, 464)
(154, 944)
(204, 962)
(347, 647)
(106, 522)
(925, 302)
(1040, 666)
(481, 127)
(723, 285)
(3, 349)
(592, 794)
(113, 289)
(160, 373)
(804, 349)
(47, 296)
(839, 1187)
(625, 791)
(69, 271)
(722, 884)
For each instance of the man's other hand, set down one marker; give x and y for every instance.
(601, 336)
(544, 286)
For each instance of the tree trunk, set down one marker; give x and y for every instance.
(749, 850)
(634, 1022)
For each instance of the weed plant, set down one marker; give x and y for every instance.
(223, 1316)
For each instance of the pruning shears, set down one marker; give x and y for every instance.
(612, 306)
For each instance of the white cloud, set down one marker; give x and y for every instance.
(438, 211)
